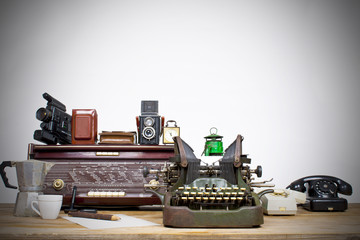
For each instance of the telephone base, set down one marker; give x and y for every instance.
(326, 205)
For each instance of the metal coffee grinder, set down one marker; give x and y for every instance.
(30, 175)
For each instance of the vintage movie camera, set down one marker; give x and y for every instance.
(56, 123)
(208, 195)
(149, 123)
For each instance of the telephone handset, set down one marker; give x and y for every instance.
(323, 192)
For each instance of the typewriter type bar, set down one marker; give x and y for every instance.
(105, 175)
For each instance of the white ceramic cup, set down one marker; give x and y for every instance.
(48, 206)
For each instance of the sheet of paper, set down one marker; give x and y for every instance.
(125, 221)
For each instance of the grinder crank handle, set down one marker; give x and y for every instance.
(3, 165)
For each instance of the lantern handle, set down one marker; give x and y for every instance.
(215, 132)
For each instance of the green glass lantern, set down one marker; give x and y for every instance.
(213, 144)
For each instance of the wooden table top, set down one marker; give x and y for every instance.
(305, 225)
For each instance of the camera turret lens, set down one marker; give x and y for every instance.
(43, 114)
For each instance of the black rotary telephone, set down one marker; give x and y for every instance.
(323, 192)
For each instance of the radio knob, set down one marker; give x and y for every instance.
(145, 171)
(154, 184)
(58, 184)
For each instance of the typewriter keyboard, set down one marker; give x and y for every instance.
(211, 197)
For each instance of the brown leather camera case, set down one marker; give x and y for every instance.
(84, 126)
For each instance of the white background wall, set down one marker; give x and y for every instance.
(284, 74)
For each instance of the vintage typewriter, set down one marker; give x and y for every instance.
(208, 195)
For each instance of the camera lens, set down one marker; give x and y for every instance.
(43, 114)
(149, 121)
(148, 133)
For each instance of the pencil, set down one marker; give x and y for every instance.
(94, 215)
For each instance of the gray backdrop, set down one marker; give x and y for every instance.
(284, 74)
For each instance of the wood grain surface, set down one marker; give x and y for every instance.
(305, 225)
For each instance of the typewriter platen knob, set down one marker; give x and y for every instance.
(258, 171)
